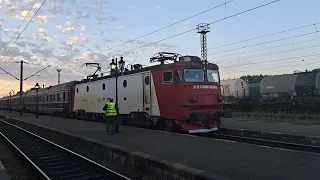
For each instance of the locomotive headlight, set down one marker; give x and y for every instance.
(220, 98)
(193, 99)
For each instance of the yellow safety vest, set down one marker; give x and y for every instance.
(111, 111)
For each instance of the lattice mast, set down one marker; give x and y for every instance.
(203, 29)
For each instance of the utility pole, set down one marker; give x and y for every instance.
(21, 80)
(21, 85)
(203, 29)
(59, 70)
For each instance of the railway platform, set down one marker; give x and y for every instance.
(3, 172)
(229, 159)
(283, 128)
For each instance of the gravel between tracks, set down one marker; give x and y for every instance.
(90, 150)
(17, 167)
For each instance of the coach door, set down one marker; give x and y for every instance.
(146, 81)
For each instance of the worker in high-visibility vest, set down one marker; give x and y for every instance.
(111, 116)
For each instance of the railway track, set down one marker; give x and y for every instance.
(263, 142)
(51, 160)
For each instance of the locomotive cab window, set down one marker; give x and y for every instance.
(193, 75)
(177, 76)
(167, 77)
(213, 75)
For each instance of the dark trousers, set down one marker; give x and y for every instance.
(110, 124)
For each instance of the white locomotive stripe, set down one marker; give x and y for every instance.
(203, 130)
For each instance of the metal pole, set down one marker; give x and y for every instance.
(59, 70)
(116, 82)
(10, 102)
(37, 103)
(21, 84)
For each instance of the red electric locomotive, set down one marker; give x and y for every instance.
(184, 93)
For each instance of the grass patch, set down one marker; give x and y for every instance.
(278, 117)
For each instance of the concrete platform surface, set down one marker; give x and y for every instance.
(284, 128)
(234, 160)
(3, 172)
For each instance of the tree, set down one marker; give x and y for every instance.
(253, 78)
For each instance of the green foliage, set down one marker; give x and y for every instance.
(253, 78)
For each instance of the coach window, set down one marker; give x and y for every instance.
(54, 98)
(177, 76)
(64, 96)
(58, 97)
(50, 98)
(167, 77)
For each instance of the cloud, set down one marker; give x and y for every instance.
(131, 6)
(42, 30)
(48, 52)
(157, 7)
(186, 22)
(36, 6)
(49, 40)
(59, 26)
(83, 28)
(68, 30)
(119, 27)
(42, 19)
(25, 13)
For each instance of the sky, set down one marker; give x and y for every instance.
(65, 34)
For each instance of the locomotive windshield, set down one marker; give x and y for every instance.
(193, 75)
(212, 75)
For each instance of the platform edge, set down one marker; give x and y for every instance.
(151, 163)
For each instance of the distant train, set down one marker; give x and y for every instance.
(184, 94)
(299, 91)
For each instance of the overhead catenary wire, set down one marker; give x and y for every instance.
(23, 30)
(314, 60)
(4, 87)
(18, 28)
(279, 32)
(37, 72)
(18, 38)
(293, 43)
(271, 53)
(258, 44)
(222, 19)
(281, 71)
(275, 60)
(202, 12)
(242, 73)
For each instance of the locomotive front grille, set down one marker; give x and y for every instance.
(204, 117)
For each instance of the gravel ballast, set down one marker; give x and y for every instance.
(93, 151)
(16, 166)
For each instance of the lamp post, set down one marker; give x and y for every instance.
(37, 99)
(114, 69)
(10, 102)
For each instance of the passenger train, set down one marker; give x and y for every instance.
(183, 94)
